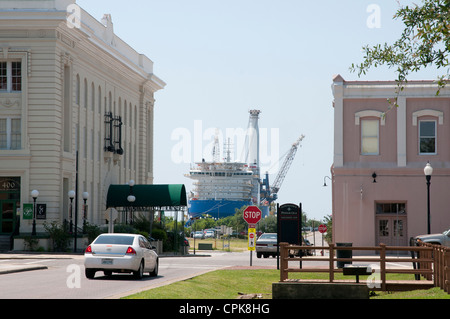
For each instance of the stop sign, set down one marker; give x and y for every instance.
(252, 215)
(323, 229)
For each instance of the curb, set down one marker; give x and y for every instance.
(17, 269)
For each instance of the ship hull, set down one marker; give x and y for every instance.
(215, 208)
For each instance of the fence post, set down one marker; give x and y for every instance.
(383, 266)
(437, 253)
(446, 266)
(331, 247)
(284, 262)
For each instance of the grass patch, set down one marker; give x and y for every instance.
(227, 284)
(434, 293)
(232, 245)
(220, 284)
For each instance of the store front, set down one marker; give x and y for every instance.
(9, 203)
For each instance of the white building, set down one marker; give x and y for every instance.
(68, 86)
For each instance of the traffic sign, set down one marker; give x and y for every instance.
(323, 229)
(251, 239)
(252, 215)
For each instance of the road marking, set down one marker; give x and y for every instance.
(38, 261)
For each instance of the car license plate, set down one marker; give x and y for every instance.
(107, 261)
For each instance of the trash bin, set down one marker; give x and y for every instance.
(343, 254)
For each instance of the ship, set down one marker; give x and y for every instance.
(222, 187)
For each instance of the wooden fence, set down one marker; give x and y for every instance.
(429, 261)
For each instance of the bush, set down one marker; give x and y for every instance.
(30, 243)
(159, 234)
(124, 229)
(59, 235)
(93, 231)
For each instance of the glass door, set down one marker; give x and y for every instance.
(391, 230)
(7, 217)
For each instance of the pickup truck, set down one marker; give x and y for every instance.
(435, 239)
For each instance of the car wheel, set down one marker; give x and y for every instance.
(154, 273)
(107, 273)
(90, 273)
(258, 255)
(140, 272)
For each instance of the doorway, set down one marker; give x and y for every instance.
(7, 217)
(391, 224)
(9, 202)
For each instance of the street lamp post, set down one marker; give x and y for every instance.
(428, 172)
(85, 198)
(131, 199)
(71, 195)
(35, 195)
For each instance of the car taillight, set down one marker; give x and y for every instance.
(131, 251)
(88, 250)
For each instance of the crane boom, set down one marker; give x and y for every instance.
(286, 166)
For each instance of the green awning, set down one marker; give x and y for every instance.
(147, 196)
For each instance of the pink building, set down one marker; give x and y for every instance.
(379, 185)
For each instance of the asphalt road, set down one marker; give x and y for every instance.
(63, 276)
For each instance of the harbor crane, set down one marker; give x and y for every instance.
(270, 193)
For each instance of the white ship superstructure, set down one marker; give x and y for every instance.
(222, 181)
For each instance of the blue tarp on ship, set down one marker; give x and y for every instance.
(215, 208)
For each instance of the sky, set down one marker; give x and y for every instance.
(222, 58)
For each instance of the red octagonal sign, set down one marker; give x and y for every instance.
(252, 215)
(323, 229)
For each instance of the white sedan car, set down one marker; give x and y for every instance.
(123, 253)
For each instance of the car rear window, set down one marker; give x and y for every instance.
(268, 236)
(115, 240)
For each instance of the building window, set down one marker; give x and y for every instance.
(10, 134)
(370, 137)
(390, 208)
(113, 134)
(11, 76)
(427, 137)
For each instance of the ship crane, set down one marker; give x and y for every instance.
(270, 193)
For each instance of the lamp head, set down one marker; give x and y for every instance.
(71, 194)
(428, 170)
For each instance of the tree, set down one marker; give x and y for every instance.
(329, 235)
(425, 42)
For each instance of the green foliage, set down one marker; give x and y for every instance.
(30, 243)
(159, 234)
(425, 42)
(329, 234)
(125, 229)
(59, 235)
(92, 231)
